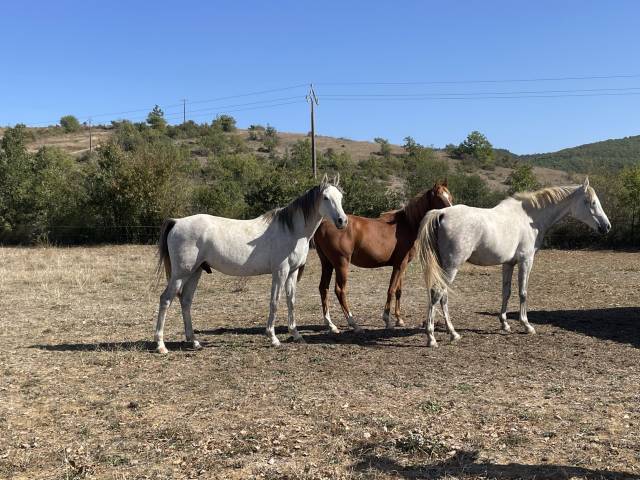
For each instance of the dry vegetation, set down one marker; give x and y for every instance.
(82, 396)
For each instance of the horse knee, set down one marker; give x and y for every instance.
(523, 296)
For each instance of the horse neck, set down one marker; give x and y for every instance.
(545, 218)
(310, 225)
(414, 213)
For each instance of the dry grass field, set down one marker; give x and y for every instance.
(83, 396)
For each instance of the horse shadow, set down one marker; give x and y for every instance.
(318, 334)
(465, 464)
(618, 324)
(126, 346)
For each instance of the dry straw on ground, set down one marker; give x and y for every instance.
(81, 395)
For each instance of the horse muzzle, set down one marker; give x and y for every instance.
(604, 229)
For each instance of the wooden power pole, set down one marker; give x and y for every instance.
(90, 139)
(184, 111)
(312, 99)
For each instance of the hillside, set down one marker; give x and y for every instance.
(608, 155)
(78, 143)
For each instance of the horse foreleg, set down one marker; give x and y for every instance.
(507, 273)
(325, 281)
(391, 291)
(290, 290)
(173, 287)
(341, 293)
(524, 269)
(277, 282)
(186, 298)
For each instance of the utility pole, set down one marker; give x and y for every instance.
(184, 111)
(312, 99)
(90, 139)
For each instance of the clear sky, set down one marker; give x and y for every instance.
(89, 58)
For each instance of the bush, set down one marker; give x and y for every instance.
(226, 123)
(69, 124)
(522, 179)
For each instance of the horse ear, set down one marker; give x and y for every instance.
(325, 180)
(585, 184)
(336, 179)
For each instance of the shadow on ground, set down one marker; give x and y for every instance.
(139, 346)
(318, 334)
(619, 324)
(465, 464)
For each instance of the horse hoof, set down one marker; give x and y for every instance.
(433, 344)
(399, 323)
(531, 330)
(335, 330)
(162, 350)
(275, 342)
(455, 337)
(196, 345)
(389, 326)
(357, 329)
(506, 329)
(299, 340)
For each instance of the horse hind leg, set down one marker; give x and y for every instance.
(167, 296)
(186, 299)
(391, 291)
(444, 304)
(434, 298)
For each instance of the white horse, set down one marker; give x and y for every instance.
(276, 243)
(507, 234)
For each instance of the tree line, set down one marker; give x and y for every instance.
(151, 170)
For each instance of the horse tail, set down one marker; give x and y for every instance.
(300, 272)
(163, 248)
(434, 275)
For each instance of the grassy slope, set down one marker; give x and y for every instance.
(609, 154)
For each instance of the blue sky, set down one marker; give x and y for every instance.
(89, 58)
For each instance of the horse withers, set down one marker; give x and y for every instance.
(276, 243)
(508, 234)
(372, 243)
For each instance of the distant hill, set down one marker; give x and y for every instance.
(608, 155)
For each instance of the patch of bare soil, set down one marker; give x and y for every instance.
(83, 396)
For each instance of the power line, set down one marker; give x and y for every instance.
(485, 97)
(525, 92)
(513, 80)
(181, 104)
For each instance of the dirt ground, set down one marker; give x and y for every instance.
(83, 396)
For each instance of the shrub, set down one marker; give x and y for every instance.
(226, 123)
(69, 124)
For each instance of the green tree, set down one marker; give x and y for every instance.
(411, 147)
(69, 124)
(156, 119)
(477, 147)
(522, 179)
(226, 123)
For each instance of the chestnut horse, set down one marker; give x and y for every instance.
(372, 243)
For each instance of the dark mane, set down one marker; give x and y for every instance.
(305, 203)
(413, 212)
